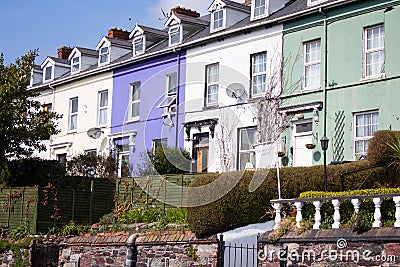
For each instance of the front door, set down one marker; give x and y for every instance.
(302, 136)
(201, 146)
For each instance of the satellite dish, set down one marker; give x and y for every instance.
(235, 90)
(94, 132)
(103, 144)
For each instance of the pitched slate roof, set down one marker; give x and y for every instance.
(61, 61)
(120, 42)
(191, 20)
(88, 52)
(154, 31)
(237, 5)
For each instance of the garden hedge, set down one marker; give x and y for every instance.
(240, 207)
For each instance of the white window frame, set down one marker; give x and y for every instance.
(75, 69)
(254, 7)
(134, 102)
(172, 30)
(257, 74)
(314, 2)
(46, 71)
(163, 142)
(311, 63)
(210, 84)
(73, 114)
(373, 50)
(223, 20)
(364, 138)
(139, 40)
(168, 89)
(246, 151)
(101, 108)
(102, 53)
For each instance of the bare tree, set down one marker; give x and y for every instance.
(224, 131)
(270, 121)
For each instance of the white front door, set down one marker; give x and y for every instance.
(303, 155)
(302, 136)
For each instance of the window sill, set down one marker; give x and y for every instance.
(309, 89)
(72, 131)
(212, 30)
(373, 77)
(131, 120)
(211, 107)
(256, 98)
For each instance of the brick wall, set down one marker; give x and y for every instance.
(332, 247)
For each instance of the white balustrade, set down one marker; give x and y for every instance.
(377, 213)
(278, 217)
(317, 205)
(336, 214)
(336, 202)
(299, 216)
(356, 203)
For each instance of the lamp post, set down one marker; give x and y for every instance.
(324, 145)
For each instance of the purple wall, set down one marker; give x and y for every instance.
(152, 76)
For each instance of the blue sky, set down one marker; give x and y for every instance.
(48, 25)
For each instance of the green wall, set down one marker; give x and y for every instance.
(351, 93)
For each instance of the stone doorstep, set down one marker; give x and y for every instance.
(382, 234)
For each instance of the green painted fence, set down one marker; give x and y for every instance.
(155, 191)
(48, 207)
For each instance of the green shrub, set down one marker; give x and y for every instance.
(151, 215)
(73, 229)
(380, 147)
(239, 207)
(165, 160)
(177, 216)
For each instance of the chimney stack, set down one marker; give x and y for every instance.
(186, 12)
(64, 52)
(118, 33)
(247, 2)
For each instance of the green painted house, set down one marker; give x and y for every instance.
(341, 77)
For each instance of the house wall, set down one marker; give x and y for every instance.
(87, 89)
(234, 57)
(152, 76)
(347, 91)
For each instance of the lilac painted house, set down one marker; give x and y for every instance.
(148, 99)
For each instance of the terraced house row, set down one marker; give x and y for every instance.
(224, 84)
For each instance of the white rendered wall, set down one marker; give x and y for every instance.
(234, 58)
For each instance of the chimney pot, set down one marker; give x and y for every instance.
(63, 52)
(118, 33)
(247, 2)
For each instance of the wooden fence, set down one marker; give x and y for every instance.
(155, 191)
(48, 207)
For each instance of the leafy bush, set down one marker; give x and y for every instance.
(20, 232)
(177, 216)
(239, 207)
(87, 165)
(151, 215)
(384, 147)
(31, 172)
(73, 229)
(165, 160)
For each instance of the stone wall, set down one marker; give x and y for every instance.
(173, 248)
(332, 247)
(176, 250)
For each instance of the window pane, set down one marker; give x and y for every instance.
(212, 96)
(104, 99)
(304, 127)
(103, 116)
(136, 92)
(259, 84)
(213, 73)
(135, 110)
(259, 63)
(124, 163)
(375, 63)
(218, 19)
(259, 7)
(73, 122)
(74, 105)
(248, 138)
(48, 73)
(172, 83)
(248, 158)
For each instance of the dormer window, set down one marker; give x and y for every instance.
(174, 35)
(76, 64)
(139, 45)
(218, 19)
(104, 55)
(259, 8)
(48, 73)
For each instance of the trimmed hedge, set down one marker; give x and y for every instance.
(240, 207)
